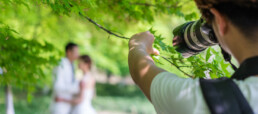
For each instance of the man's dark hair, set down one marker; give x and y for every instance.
(242, 13)
(70, 46)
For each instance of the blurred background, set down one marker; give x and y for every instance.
(33, 34)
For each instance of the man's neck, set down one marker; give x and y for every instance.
(71, 60)
(242, 48)
(245, 51)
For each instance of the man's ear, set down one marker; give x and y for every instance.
(220, 21)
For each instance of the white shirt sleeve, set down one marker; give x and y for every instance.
(62, 86)
(174, 95)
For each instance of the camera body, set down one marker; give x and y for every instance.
(194, 37)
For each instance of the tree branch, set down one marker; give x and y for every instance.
(122, 37)
(101, 27)
(154, 5)
(178, 67)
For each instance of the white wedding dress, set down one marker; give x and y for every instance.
(85, 107)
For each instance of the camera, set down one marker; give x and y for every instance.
(194, 37)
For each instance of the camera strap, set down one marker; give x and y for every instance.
(223, 96)
(227, 57)
(247, 69)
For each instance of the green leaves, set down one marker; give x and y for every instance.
(29, 56)
(129, 10)
(5, 31)
(209, 65)
(208, 54)
(23, 61)
(158, 43)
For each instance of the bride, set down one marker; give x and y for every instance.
(82, 102)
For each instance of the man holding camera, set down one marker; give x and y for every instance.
(234, 24)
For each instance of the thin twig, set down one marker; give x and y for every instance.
(177, 67)
(154, 5)
(101, 27)
(122, 37)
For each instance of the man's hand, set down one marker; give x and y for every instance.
(58, 99)
(141, 65)
(143, 40)
(74, 101)
(177, 40)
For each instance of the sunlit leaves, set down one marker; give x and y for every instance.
(211, 65)
(23, 61)
(129, 10)
(26, 62)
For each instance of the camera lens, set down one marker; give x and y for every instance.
(195, 37)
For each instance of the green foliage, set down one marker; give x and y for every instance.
(24, 61)
(129, 10)
(33, 34)
(212, 62)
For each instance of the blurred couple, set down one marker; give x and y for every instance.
(72, 96)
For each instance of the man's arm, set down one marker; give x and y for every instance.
(77, 100)
(141, 65)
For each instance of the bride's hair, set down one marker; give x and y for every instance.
(86, 59)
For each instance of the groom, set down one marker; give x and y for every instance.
(65, 85)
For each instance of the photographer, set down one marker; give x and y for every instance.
(235, 24)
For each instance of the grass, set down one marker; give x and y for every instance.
(41, 105)
(111, 99)
(134, 105)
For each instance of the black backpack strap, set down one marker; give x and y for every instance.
(247, 69)
(224, 97)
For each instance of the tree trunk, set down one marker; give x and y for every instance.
(9, 100)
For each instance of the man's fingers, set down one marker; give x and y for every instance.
(175, 43)
(155, 51)
(176, 40)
